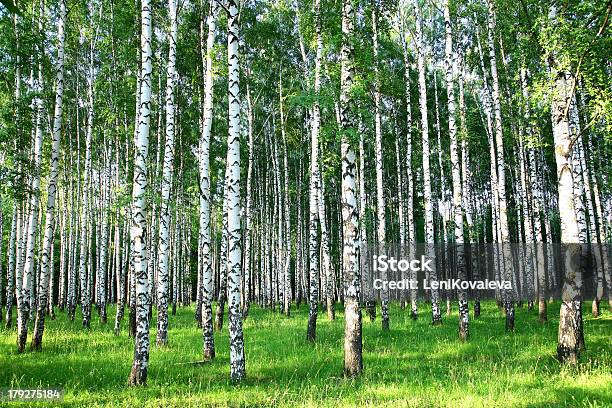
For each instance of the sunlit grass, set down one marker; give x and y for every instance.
(414, 364)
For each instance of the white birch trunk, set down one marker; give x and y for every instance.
(353, 362)
(427, 196)
(501, 171)
(380, 197)
(232, 194)
(166, 186)
(205, 200)
(568, 347)
(248, 213)
(10, 273)
(23, 307)
(313, 284)
(409, 174)
(46, 268)
(456, 175)
(138, 239)
(1, 273)
(287, 240)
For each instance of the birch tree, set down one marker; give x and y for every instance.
(313, 283)
(10, 273)
(409, 173)
(427, 196)
(380, 197)
(138, 239)
(47, 266)
(164, 220)
(568, 347)
(501, 169)
(28, 272)
(456, 173)
(204, 251)
(232, 196)
(353, 361)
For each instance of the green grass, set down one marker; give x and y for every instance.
(414, 364)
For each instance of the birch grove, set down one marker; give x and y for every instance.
(462, 134)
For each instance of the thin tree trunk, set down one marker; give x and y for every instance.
(23, 307)
(286, 236)
(248, 214)
(138, 374)
(456, 176)
(164, 219)
(501, 172)
(1, 274)
(364, 262)
(205, 199)
(427, 196)
(409, 174)
(353, 362)
(380, 197)
(314, 178)
(232, 196)
(10, 278)
(46, 268)
(326, 270)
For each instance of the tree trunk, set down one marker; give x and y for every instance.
(1, 277)
(428, 204)
(205, 244)
(138, 374)
(286, 240)
(501, 172)
(409, 174)
(47, 268)
(232, 196)
(380, 198)
(314, 178)
(353, 362)
(166, 186)
(10, 278)
(568, 347)
(456, 176)
(248, 212)
(23, 307)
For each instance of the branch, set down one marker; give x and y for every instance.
(575, 76)
(222, 5)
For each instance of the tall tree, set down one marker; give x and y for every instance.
(456, 173)
(164, 219)
(46, 264)
(138, 238)
(427, 196)
(353, 360)
(313, 282)
(501, 169)
(409, 173)
(204, 251)
(30, 233)
(380, 197)
(232, 197)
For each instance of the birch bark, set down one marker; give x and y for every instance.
(138, 238)
(47, 268)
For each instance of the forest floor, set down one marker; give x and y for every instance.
(413, 364)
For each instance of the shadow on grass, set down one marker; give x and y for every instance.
(414, 362)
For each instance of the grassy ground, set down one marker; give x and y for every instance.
(414, 364)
